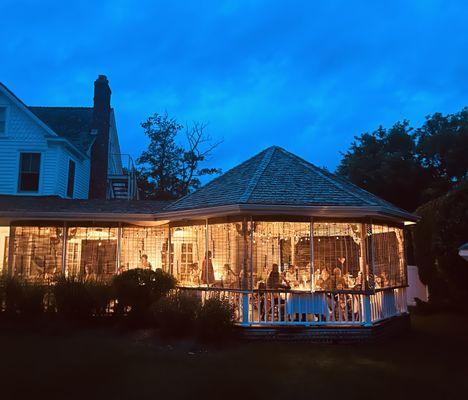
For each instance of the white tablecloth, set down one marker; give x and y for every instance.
(306, 303)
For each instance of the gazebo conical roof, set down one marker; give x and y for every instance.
(278, 179)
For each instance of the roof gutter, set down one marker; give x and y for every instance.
(211, 212)
(317, 211)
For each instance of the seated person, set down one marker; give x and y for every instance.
(230, 278)
(122, 268)
(274, 280)
(326, 280)
(350, 280)
(378, 281)
(358, 284)
(291, 276)
(338, 281)
(144, 263)
(385, 279)
(194, 274)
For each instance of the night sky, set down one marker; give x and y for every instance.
(302, 75)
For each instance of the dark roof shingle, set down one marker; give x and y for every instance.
(55, 204)
(72, 123)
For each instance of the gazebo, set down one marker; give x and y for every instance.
(287, 243)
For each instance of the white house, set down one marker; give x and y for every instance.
(69, 152)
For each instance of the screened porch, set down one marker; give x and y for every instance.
(274, 272)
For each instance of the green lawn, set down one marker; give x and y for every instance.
(431, 361)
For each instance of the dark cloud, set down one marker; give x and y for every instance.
(304, 75)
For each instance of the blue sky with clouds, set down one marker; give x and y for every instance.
(305, 75)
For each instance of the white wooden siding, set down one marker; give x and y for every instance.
(25, 135)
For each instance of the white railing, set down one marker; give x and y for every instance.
(388, 303)
(275, 307)
(293, 308)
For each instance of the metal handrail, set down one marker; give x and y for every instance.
(128, 170)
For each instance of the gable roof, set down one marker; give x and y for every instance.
(43, 123)
(278, 177)
(72, 123)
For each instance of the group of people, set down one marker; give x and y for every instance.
(336, 280)
(291, 278)
(143, 264)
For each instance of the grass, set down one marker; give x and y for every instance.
(430, 362)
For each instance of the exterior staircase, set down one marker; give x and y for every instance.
(123, 186)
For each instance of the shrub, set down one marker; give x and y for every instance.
(80, 300)
(20, 297)
(135, 290)
(176, 314)
(12, 295)
(31, 301)
(215, 321)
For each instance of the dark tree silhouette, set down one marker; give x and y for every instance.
(407, 166)
(169, 170)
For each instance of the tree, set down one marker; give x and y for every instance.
(437, 237)
(410, 167)
(169, 170)
(442, 143)
(385, 163)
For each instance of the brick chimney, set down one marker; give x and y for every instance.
(100, 149)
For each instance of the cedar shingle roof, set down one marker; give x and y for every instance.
(278, 177)
(72, 123)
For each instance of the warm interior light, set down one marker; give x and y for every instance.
(178, 232)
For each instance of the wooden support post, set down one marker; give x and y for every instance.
(366, 267)
(245, 308)
(207, 238)
(168, 252)
(118, 258)
(11, 249)
(251, 254)
(312, 266)
(366, 310)
(64, 248)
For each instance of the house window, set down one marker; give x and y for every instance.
(3, 112)
(29, 172)
(71, 178)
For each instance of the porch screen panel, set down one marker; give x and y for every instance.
(337, 252)
(143, 247)
(92, 253)
(37, 252)
(389, 260)
(188, 247)
(226, 246)
(284, 246)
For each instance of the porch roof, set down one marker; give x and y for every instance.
(55, 207)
